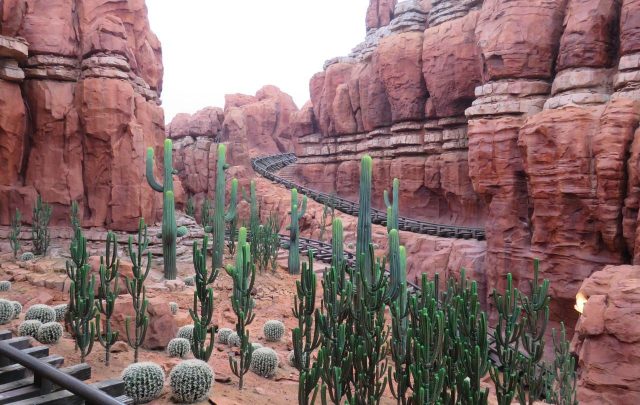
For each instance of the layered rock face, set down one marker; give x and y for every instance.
(249, 125)
(80, 82)
(520, 116)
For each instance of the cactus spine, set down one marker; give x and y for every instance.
(204, 296)
(14, 235)
(243, 275)
(232, 217)
(168, 208)
(137, 290)
(296, 213)
(392, 206)
(105, 304)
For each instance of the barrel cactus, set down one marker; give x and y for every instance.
(256, 346)
(264, 362)
(49, 332)
(291, 358)
(5, 285)
(29, 328)
(27, 256)
(179, 347)
(6, 312)
(273, 330)
(143, 381)
(61, 311)
(189, 281)
(186, 332)
(17, 309)
(233, 340)
(41, 312)
(223, 335)
(191, 381)
(181, 231)
(173, 307)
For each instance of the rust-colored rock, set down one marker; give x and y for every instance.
(380, 13)
(206, 122)
(629, 27)
(162, 325)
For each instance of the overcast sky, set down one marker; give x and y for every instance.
(215, 47)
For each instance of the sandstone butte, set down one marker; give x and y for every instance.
(518, 116)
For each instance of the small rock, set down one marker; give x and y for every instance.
(221, 378)
(119, 347)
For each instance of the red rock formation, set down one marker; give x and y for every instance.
(380, 13)
(93, 79)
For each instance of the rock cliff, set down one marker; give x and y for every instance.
(80, 82)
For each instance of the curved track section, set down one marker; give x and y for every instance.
(269, 165)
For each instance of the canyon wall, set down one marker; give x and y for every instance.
(517, 115)
(80, 84)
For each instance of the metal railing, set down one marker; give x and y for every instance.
(44, 375)
(268, 166)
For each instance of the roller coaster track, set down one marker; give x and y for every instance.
(268, 167)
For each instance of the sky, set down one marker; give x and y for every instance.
(215, 47)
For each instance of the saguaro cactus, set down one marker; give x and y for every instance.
(14, 235)
(364, 220)
(137, 290)
(105, 304)
(254, 217)
(203, 294)
(392, 206)
(232, 217)
(168, 208)
(40, 227)
(219, 215)
(296, 213)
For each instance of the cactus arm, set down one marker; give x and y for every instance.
(150, 176)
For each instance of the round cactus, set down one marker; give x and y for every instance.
(186, 332)
(5, 285)
(61, 311)
(173, 307)
(256, 346)
(181, 231)
(273, 331)
(29, 328)
(17, 309)
(49, 333)
(143, 381)
(26, 256)
(291, 358)
(41, 312)
(264, 362)
(6, 312)
(189, 281)
(234, 340)
(223, 335)
(191, 381)
(179, 347)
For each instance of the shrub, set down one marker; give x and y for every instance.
(5, 285)
(264, 362)
(27, 256)
(143, 381)
(49, 332)
(273, 330)
(29, 328)
(6, 312)
(61, 311)
(191, 381)
(179, 347)
(17, 309)
(186, 332)
(41, 312)
(223, 335)
(173, 307)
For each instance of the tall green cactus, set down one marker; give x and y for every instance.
(40, 235)
(296, 213)
(169, 232)
(205, 213)
(219, 215)
(109, 264)
(392, 206)
(398, 305)
(190, 209)
(202, 312)
(243, 275)
(337, 245)
(363, 240)
(81, 310)
(14, 234)
(232, 217)
(137, 290)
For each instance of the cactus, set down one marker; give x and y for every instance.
(191, 381)
(181, 231)
(205, 213)
(232, 217)
(109, 264)
(136, 288)
(5, 285)
(291, 359)
(296, 213)
(61, 312)
(190, 209)
(563, 371)
(168, 207)
(74, 216)
(189, 281)
(202, 312)
(49, 333)
(41, 312)
(243, 275)
(392, 206)
(267, 245)
(273, 330)
(234, 340)
(264, 362)
(185, 332)
(256, 346)
(399, 308)
(173, 307)
(17, 309)
(29, 328)
(14, 234)
(219, 216)
(27, 256)
(40, 227)
(363, 240)
(7, 312)
(143, 382)
(254, 218)
(223, 335)
(179, 347)
(323, 221)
